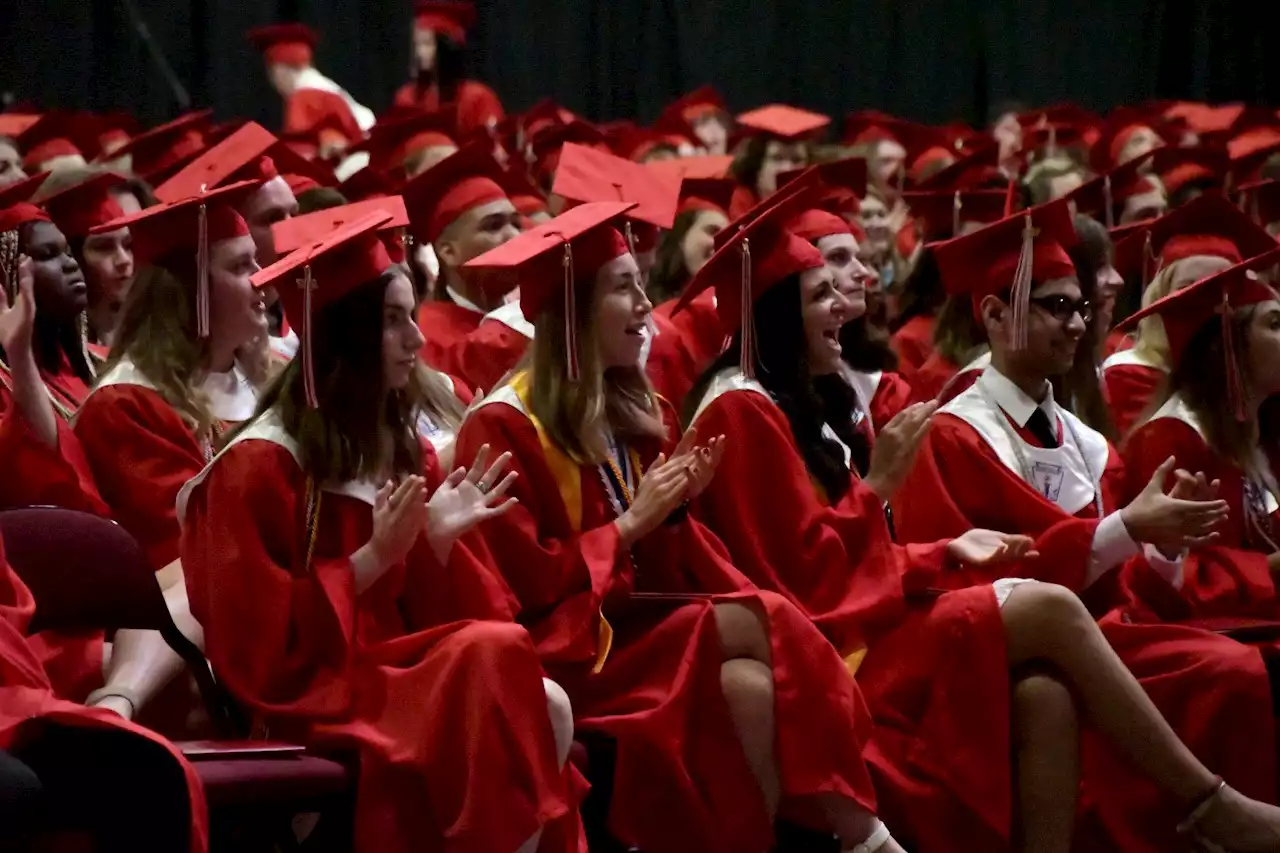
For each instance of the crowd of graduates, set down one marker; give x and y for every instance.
(916, 491)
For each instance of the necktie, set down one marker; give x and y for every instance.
(1040, 427)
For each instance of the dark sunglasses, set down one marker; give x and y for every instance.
(1063, 309)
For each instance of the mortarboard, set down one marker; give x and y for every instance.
(331, 264)
(81, 207)
(368, 183)
(1203, 118)
(586, 174)
(549, 258)
(782, 121)
(157, 149)
(113, 130)
(58, 133)
(1261, 201)
(707, 194)
(450, 19)
(392, 141)
(696, 105)
(20, 214)
(814, 224)
(703, 166)
(178, 235)
(1178, 167)
(978, 169)
(13, 125)
(300, 231)
(1186, 311)
(527, 199)
(941, 213)
(458, 183)
(754, 257)
(22, 190)
(1011, 255)
(239, 157)
(1107, 193)
(1116, 131)
(845, 180)
(1245, 168)
(286, 44)
(865, 126)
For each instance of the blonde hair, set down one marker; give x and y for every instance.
(1152, 343)
(578, 415)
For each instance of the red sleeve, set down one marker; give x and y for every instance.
(560, 576)
(742, 200)
(19, 666)
(958, 484)
(671, 367)
(406, 95)
(141, 453)
(478, 107)
(307, 108)
(487, 354)
(913, 343)
(462, 391)
(37, 474)
(281, 636)
(893, 394)
(836, 563)
(932, 376)
(1129, 390)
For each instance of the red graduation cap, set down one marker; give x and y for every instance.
(815, 223)
(1208, 225)
(159, 148)
(926, 147)
(81, 207)
(368, 183)
(1261, 200)
(1246, 167)
(865, 126)
(1059, 115)
(783, 121)
(547, 143)
(707, 194)
(799, 195)
(292, 166)
(585, 175)
(331, 264)
(173, 234)
(1185, 312)
(391, 142)
(1203, 118)
(20, 214)
(1178, 167)
(978, 169)
(299, 231)
(1116, 132)
(458, 183)
(1104, 196)
(285, 44)
(239, 157)
(23, 190)
(113, 130)
(704, 166)
(636, 143)
(57, 134)
(548, 259)
(848, 175)
(942, 213)
(13, 125)
(524, 194)
(697, 104)
(1011, 254)
(753, 259)
(450, 19)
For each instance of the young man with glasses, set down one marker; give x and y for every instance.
(1005, 455)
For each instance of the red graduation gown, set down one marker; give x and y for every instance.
(424, 675)
(26, 697)
(681, 781)
(486, 355)
(1130, 383)
(699, 327)
(882, 395)
(941, 765)
(1228, 578)
(307, 109)
(939, 379)
(445, 325)
(913, 343)
(478, 106)
(1212, 690)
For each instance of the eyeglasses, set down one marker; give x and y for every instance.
(1063, 309)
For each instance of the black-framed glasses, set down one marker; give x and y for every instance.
(1063, 309)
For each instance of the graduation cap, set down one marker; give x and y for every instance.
(1246, 167)
(703, 166)
(13, 125)
(239, 157)
(964, 139)
(57, 134)
(548, 143)
(1261, 201)
(753, 259)
(368, 183)
(1104, 196)
(20, 214)
(815, 224)
(713, 194)
(449, 19)
(979, 169)
(1059, 115)
(525, 196)
(845, 183)
(176, 232)
(1203, 118)
(1185, 312)
(300, 231)
(696, 105)
(1011, 254)
(637, 143)
(440, 195)
(292, 165)
(589, 175)
(782, 121)
(79, 208)
(284, 44)
(1208, 225)
(331, 264)
(1178, 167)
(547, 260)
(23, 190)
(799, 195)
(942, 213)
(156, 150)
(1116, 132)
(866, 126)
(391, 143)
(926, 148)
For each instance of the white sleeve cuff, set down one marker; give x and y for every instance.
(1112, 545)
(1170, 570)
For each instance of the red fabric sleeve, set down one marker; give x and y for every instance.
(487, 354)
(913, 343)
(38, 474)
(893, 394)
(1129, 390)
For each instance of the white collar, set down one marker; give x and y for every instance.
(462, 301)
(231, 396)
(1013, 400)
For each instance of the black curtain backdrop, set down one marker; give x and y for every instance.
(933, 60)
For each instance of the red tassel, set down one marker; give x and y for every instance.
(631, 239)
(570, 317)
(955, 215)
(202, 274)
(308, 366)
(1020, 292)
(1108, 202)
(747, 358)
(1235, 388)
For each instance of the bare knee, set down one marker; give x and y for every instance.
(747, 683)
(1039, 617)
(1042, 698)
(742, 633)
(560, 711)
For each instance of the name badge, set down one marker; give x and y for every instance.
(426, 427)
(1047, 479)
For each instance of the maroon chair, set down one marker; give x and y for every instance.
(89, 574)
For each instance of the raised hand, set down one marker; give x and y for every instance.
(18, 320)
(662, 489)
(980, 547)
(399, 517)
(1171, 521)
(895, 448)
(467, 498)
(701, 461)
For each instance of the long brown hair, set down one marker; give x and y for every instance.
(669, 275)
(342, 439)
(577, 414)
(958, 336)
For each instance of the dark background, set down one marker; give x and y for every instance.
(934, 60)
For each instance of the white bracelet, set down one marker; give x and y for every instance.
(877, 839)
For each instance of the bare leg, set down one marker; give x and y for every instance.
(746, 677)
(561, 713)
(1047, 762)
(1046, 622)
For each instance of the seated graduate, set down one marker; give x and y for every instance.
(1004, 454)
(1219, 417)
(325, 557)
(77, 770)
(725, 705)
